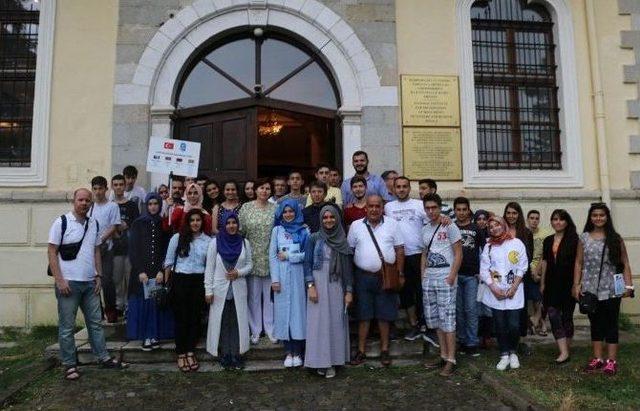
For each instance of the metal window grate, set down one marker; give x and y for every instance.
(515, 86)
(18, 46)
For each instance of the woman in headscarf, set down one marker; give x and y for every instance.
(228, 264)
(286, 257)
(147, 246)
(502, 266)
(194, 199)
(328, 272)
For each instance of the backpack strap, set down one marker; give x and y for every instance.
(63, 227)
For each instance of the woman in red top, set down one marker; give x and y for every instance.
(194, 199)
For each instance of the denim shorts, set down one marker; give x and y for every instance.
(371, 301)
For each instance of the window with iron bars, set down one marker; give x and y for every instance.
(515, 86)
(18, 51)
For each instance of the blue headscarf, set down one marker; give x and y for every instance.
(229, 246)
(146, 216)
(296, 226)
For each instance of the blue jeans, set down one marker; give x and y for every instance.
(467, 310)
(82, 296)
(507, 324)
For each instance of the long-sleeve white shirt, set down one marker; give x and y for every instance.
(499, 265)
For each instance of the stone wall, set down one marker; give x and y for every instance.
(630, 39)
(372, 21)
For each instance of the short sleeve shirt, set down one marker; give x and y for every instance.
(107, 215)
(365, 254)
(410, 216)
(440, 254)
(83, 267)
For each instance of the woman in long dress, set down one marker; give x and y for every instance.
(147, 247)
(329, 278)
(286, 257)
(228, 264)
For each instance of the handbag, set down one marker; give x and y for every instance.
(68, 252)
(163, 296)
(390, 274)
(588, 302)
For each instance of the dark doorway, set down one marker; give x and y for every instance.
(261, 105)
(261, 141)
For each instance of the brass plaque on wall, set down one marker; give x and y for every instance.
(430, 101)
(432, 153)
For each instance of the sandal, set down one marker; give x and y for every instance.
(182, 363)
(113, 363)
(543, 333)
(71, 373)
(193, 363)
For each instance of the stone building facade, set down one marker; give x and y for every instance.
(108, 75)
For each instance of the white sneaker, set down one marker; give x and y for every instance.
(503, 363)
(514, 362)
(288, 362)
(255, 339)
(330, 373)
(273, 339)
(297, 361)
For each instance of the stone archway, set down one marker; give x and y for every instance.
(158, 70)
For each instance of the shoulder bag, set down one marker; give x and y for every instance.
(390, 274)
(588, 302)
(68, 252)
(163, 296)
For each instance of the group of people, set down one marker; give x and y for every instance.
(293, 264)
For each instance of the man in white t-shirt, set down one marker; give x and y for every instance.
(440, 263)
(373, 302)
(77, 282)
(107, 214)
(410, 216)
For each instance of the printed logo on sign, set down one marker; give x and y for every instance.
(156, 157)
(183, 146)
(178, 160)
(168, 145)
(168, 158)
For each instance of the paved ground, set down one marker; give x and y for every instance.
(354, 388)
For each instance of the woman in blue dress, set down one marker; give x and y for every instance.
(286, 257)
(147, 247)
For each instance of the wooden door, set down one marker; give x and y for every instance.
(228, 143)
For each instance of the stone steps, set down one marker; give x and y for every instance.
(264, 355)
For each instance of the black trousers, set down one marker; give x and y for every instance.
(188, 301)
(411, 293)
(604, 322)
(108, 286)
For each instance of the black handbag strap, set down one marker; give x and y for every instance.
(375, 242)
(432, 237)
(604, 248)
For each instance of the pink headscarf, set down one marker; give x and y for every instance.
(506, 235)
(187, 205)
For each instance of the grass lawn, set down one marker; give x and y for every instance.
(568, 387)
(26, 357)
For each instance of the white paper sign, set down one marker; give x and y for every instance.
(167, 155)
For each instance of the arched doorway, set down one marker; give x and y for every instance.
(261, 104)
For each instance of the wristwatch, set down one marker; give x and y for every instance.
(309, 285)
